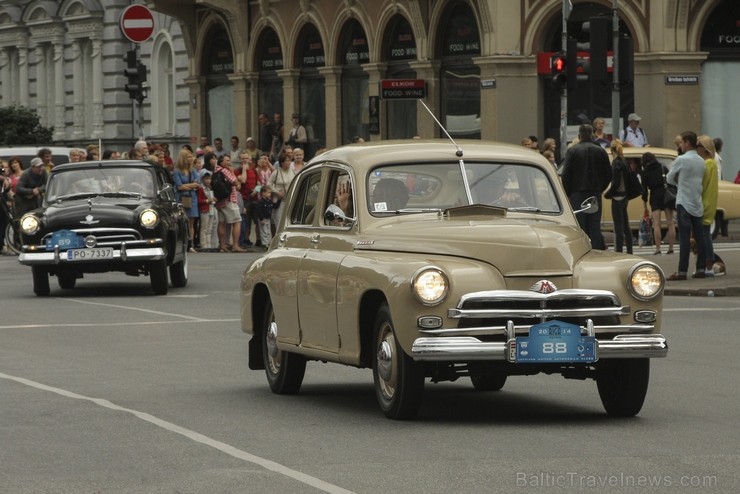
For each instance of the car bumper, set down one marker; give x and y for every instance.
(136, 254)
(465, 348)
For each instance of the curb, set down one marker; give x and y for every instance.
(727, 291)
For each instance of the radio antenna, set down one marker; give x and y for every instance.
(459, 151)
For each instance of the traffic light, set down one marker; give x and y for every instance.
(626, 60)
(135, 71)
(599, 30)
(559, 70)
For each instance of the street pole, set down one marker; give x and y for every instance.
(615, 71)
(564, 92)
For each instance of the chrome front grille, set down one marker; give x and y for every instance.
(107, 237)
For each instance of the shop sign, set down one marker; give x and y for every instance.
(403, 88)
(681, 80)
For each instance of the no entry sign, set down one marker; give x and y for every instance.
(137, 23)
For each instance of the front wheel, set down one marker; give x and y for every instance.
(40, 281)
(12, 238)
(399, 381)
(284, 370)
(179, 273)
(623, 385)
(158, 277)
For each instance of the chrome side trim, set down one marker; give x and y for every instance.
(464, 348)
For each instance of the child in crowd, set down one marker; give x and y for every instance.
(207, 209)
(264, 212)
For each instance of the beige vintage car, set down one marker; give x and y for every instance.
(422, 261)
(728, 200)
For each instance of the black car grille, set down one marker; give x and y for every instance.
(107, 237)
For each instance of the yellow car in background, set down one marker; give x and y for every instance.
(728, 202)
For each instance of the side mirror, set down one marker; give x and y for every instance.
(164, 192)
(334, 215)
(590, 205)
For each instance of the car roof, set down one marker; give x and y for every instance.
(103, 164)
(367, 155)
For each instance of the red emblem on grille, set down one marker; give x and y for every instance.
(544, 286)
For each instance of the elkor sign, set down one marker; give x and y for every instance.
(137, 23)
(403, 88)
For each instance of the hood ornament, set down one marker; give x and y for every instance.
(89, 220)
(543, 286)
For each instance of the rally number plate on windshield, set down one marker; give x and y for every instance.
(555, 342)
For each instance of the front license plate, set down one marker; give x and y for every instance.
(90, 254)
(555, 341)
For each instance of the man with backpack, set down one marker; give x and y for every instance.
(227, 205)
(633, 135)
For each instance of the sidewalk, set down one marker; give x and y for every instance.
(718, 286)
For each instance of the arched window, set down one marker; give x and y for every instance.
(217, 63)
(312, 96)
(399, 46)
(269, 61)
(459, 41)
(162, 88)
(355, 104)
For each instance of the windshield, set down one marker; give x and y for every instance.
(408, 188)
(109, 181)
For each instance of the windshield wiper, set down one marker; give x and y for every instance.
(121, 194)
(79, 195)
(529, 209)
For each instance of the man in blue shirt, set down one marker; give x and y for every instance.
(687, 174)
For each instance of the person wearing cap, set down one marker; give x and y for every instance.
(298, 138)
(633, 135)
(251, 149)
(31, 187)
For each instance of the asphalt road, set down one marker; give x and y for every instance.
(107, 389)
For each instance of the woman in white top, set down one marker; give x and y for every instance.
(279, 182)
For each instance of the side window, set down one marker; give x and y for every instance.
(340, 192)
(304, 207)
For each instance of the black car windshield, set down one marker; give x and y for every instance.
(109, 181)
(423, 187)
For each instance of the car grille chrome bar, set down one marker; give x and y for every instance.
(523, 329)
(107, 237)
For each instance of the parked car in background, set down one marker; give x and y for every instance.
(100, 216)
(422, 261)
(728, 201)
(59, 154)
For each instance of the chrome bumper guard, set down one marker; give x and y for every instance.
(124, 254)
(470, 348)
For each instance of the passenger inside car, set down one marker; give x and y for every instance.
(389, 194)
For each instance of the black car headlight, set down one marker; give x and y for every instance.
(149, 218)
(30, 224)
(645, 281)
(430, 285)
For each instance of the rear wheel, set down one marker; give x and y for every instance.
(284, 370)
(623, 385)
(40, 281)
(492, 381)
(179, 273)
(66, 280)
(158, 277)
(399, 381)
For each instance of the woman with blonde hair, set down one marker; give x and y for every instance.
(187, 182)
(709, 192)
(619, 196)
(600, 137)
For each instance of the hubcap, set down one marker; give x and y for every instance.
(387, 372)
(271, 338)
(385, 360)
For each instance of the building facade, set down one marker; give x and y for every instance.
(480, 62)
(66, 60)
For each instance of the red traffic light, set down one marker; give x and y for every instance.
(559, 64)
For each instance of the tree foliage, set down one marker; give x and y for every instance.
(21, 126)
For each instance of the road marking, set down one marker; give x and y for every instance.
(192, 435)
(112, 324)
(115, 306)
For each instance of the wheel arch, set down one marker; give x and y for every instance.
(369, 305)
(260, 296)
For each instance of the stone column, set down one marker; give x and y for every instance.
(23, 80)
(42, 89)
(60, 133)
(78, 99)
(291, 95)
(333, 97)
(6, 97)
(98, 130)
(242, 105)
(375, 72)
(197, 87)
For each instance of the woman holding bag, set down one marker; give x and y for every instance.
(653, 182)
(187, 182)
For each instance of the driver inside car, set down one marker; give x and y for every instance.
(389, 194)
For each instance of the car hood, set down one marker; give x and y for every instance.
(100, 212)
(516, 247)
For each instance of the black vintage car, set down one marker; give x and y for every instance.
(106, 216)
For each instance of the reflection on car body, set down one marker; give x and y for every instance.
(449, 267)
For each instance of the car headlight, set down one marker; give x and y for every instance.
(30, 224)
(645, 281)
(430, 285)
(149, 218)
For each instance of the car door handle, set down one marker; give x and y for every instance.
(315, 239)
